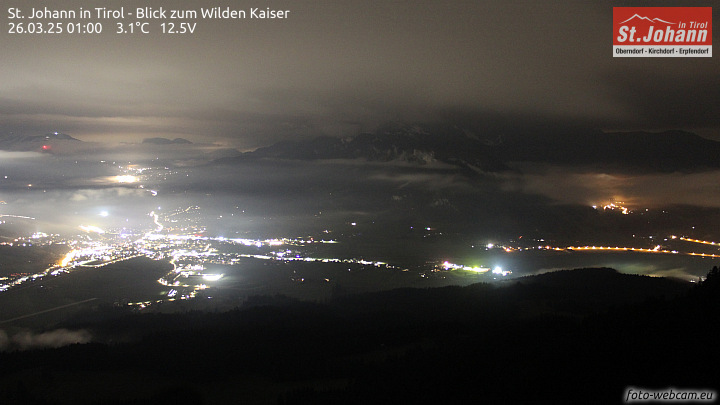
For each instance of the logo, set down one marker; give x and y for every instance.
(662, 31)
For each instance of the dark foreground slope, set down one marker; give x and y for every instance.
(552, 338)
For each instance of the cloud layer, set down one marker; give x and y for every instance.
(340, 67)
(25, 340)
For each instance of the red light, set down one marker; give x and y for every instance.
(46, 147)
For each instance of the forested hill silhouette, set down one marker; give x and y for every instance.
(522, 343)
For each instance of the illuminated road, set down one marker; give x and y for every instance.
(48, 310)
(657, 249)
(703, 242)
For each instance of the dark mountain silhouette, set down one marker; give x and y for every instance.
(165, 141)
(420, 144)
(34, 142)
(423, 143)
(664, 151)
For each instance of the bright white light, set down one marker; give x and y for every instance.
(91, 228)
(126, 179)
(212, 277)
(104, 214)
(68, 258)
(498, 270)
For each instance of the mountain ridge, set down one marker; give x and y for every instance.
(667, 151)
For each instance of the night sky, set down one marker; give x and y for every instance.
(344, 66)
